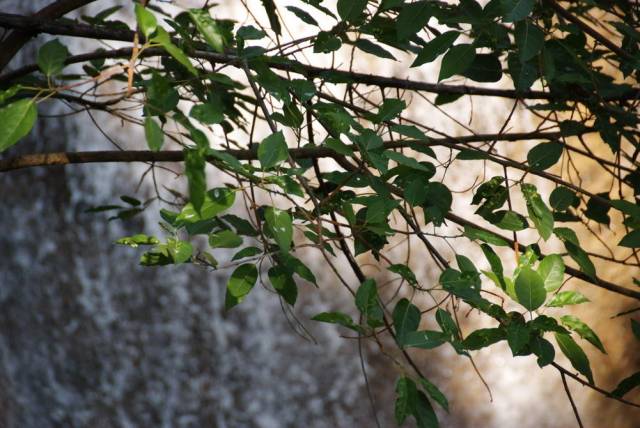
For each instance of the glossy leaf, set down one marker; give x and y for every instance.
(17, 120)
(575, 354)
(281, 226)
(240, 283)
(583, 330)
(544, 155)
(529, 287)
(146, 20)
(551, 270)
(51, 57)
(273, 150)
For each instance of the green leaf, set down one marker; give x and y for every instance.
(296, 266)
(529, 39)
(575, 354)
(249, 32)
(538, 212)
(406, 399)
(209, 113)
(425, 339)
(424, 414)
(161, 96)
(518, 337)
(137, 240)
(51, 57)
(273, 150)
(495, 263)
(484, 68)
(338, 318)
(516, 10)
(530, 289)
(562, 198)
(284, 284)
(163, 39)
(484, 236)
(551, 270)
(303, 89)
(457, 60)
(483, 337)
(583, 330)
(544, 350)
(373, 49)
(281, 226)
(303, 15)
(570, 240)
(194, 170)
(508, 220)
(224, 239)
(390, 109)
(438, 202)
(272, 14)
(565, 298)
(368, 304)
(631, 239)
(338, 146)
(216, 201)
(412, 18)
(408, 162)
(240, 284)
(635, 328)
(326, 42)
(406, 318)
(404, 272)
(17, 119)
(626, 385)
(180, 251)
(435, 393)
(153, 134)
(598, 210)
(246, 252)
(351, 10)
(146, 20)
(544, 155)
(216, 35)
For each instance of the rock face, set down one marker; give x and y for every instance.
(89, 338)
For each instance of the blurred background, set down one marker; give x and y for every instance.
(88, 338)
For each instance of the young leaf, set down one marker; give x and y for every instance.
(17, 120)
(163, 39)
(153, 134)
(240, 284)
(281, 226)
(457, 60)
(529, 287)
(272, 150)
(146, 20)
(538, 211)
(224, 239)
(565, 298)
(180, 251)
(575, 354)
(51, 57)
(583, 330)
(214, 34)
(551, 269)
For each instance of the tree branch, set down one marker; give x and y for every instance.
(14, 41)
(87, 31)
